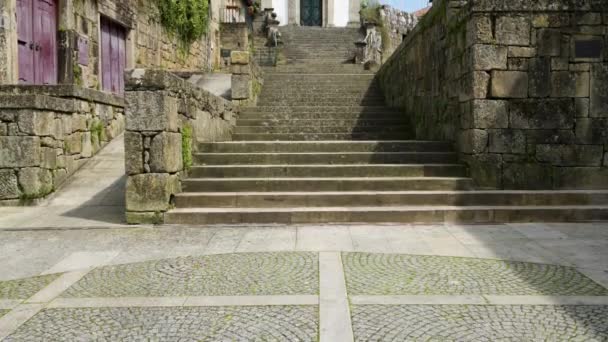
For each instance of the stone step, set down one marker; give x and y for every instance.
(320, 136)
(303, 158)
(388, 198)
(397, 121)
(325, 184)
(402, 214)
(324, 170)
(320, 103)
(325, 98)
(319, 116)
(324, 146)
(320, 129)
(328, 110)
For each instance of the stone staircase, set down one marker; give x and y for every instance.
(321, 147)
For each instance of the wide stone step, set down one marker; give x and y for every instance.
(325, 184)
(320, 103)
(318, 116)
(285, 99)
(319, 136)
(403, 214)
(326, 158)
(389, 198)
(398, 121)
(322, 170)
(324, 146)
(320, 129)
(327, 111)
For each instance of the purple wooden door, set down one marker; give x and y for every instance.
(113, 56)
(25, 40)
(37, 42)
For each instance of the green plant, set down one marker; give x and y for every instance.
(186, 19)
(97, 130)
(371, 12)
(77, 74)
(187, 146)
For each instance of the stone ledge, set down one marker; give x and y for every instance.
(65, 91)
(42, 102)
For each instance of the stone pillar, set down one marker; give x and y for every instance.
(9, 73)
(293, 12)
(241, 78)
(66, 42)
(330, 22)
(354, 6)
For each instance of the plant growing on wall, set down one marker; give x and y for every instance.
(186, 19)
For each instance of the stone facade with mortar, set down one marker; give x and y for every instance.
(47, 133)
(164, 114)
(520, 87)
(397, 24)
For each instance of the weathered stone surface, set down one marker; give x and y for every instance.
(9, 188)
(150, 111)
(588, 18)
(540, 77)
(144, 217)
(570, 155)
(519, 64)
(34, 122)
(513, 30)
(589, 178)
(87, 145)
(3, 129)
(239, 57)
(559, 64)
(542, 114)
(521, 51)
(485, 169)
(507, 141)
(240, 69)
(509, 84)
(569, 84)
(581, 106)
(479, 30)
(241, 87)
(489, 57)
(599, 90)
(166, 153)
(549, 136)
(79, 123)
(59, 177)
(35, 182)
(527, 176)
(74, 143)
(151, 191)
(592, 130)
(551, 20)
(48, 158)
(548, 42)
(7, 115)
(19, 151)
(134, 153)
(488, 114)
(473, 141)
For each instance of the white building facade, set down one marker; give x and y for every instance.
(325, 13)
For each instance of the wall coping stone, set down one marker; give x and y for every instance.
(42, 102)
(65, 91)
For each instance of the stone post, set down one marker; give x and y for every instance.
(8, 43)
(241, 75)
(354, 6)
(293, 12)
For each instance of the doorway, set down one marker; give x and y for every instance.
(37, 41)
(113, 56)
(311, 13)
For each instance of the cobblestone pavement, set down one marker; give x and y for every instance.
(3, 312)
(278, 323)
(396, 274)
(24, 288)
(480, 323)
(214, 275)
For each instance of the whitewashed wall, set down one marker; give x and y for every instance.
(341, 12)
(280, 8)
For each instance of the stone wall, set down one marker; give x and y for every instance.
(520, 87)
(47, 133)
(164, 115)
(396, 25)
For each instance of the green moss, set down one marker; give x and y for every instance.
(77, 74)
(187, 146)
(97, 130)
(186, 19)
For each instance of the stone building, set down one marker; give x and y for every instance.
(325, 13)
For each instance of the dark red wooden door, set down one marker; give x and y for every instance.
(113, 56)
(37, 41)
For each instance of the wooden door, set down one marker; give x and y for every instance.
(37, 41)
(113, 56)
(310, 13)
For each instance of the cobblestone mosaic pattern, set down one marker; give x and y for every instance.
(398, 274)
(213, 275)
(24, 288)
(272, 323)
(479, 323)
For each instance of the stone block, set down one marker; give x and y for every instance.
(570, 155)
(7, 115)
(527, 176)
(548, 136)
(551, 20)
(35, 182)
(569, 84)
(479, 30)
(548, 42)
(241, 87)
(240, 69)
(599, 90)
(581, 107)
(134, 151)
(74, 143)
(473, 141)
(34, 122)
(489, 57)
(79, 123)
(509, 84)
(518, 64)
(239, 57)
(144, 218)
(19, 151)
(87, 145)
(48, 159)
(521, 51)
(59, 177)
(558, 64)
(592, 130)
(485, 169)
(489, 114)
(579, 67)
(475, 86)
(581, 178)
(539, 77)
(151, 111)
(513, 30)
(9, 188)
(587, 18)
(13, 129)
(507, 141)
(3, 129)
(166, 153)
(151, 192)
(542, 114)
